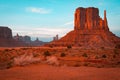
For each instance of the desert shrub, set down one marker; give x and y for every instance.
(85, 55)
(10, 64)
(114, 56)
(85, 64)
(104, 56)
(77, 65)
(118, 62)
(117, 46)
(6, 50)
(52, 60)
(24, 48)
(35, 55)
(51, 46)
(62, 55)
(13, 49)
(102, 47)
(96, 57)
(47, 53)
(25, 60)
(116, 51)
(69, 46)
(79, 45)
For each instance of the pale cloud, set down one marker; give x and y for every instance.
(69, 23)
(41, 32)
(38, 10)
(44, 33)
(49, 32)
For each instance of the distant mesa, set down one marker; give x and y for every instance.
(5, 33)
(90, 31)
(7, 40)
(55, 38)
(27, 40)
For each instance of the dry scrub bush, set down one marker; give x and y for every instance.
(25, 59)
(52, 60)
(117, 46)
(84, 55)
(62, 55)
(104, 56)
(69, 46)
(47, 53)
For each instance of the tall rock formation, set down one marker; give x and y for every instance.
(90, 31)
(89, 19)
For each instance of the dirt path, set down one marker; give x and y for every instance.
(46, 72)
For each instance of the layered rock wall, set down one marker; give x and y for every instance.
(88, 18)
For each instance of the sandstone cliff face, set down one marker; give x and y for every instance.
(90, 31)
(88, 18)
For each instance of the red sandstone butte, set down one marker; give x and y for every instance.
(90, 31)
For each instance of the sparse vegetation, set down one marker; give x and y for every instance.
(62, 55)
(104, 56)
(47, 53)
(116, 51)
(24, 48)
(7, 55)
(102, 48)
(6, 50)
(77, 65)
(50, 46)
(85, 55)
(35, 55)
(96, 57)
(117, 46)
(10, 64)
(114, 56)
(69, 46)
(25, 60)
(86, 64)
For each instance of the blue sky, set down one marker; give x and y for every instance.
(46, 18)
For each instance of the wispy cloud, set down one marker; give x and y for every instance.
(42, 32)
(45, 33)
(48, 32)
(38, 10)
(69, 23)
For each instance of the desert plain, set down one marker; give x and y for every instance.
(59, 63)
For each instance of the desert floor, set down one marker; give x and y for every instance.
(48, 72)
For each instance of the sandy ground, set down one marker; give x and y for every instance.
(48, 72)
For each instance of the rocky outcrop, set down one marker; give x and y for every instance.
(90, 31)
(89, 19)
(5, 33)
(6, 39)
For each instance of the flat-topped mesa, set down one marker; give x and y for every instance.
(89, 19)
(5, 33)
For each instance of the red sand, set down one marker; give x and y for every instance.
(46, 72)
